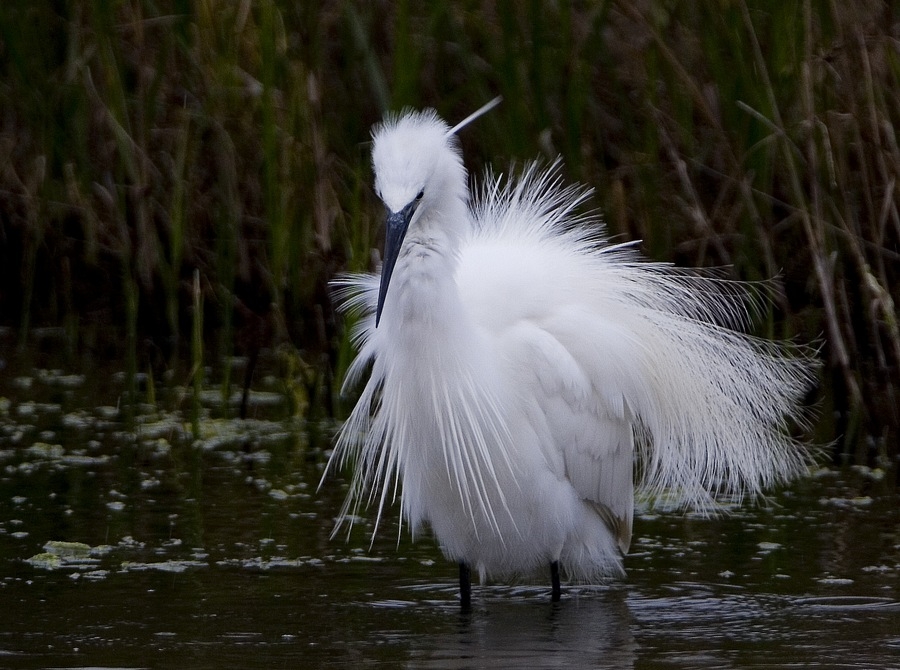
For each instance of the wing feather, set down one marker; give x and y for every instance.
(621, 348)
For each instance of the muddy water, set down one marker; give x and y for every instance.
(137, 544)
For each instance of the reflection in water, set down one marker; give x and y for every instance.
(591, 630)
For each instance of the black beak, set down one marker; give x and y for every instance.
(394, 232)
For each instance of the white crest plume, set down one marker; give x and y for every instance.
(481, 111)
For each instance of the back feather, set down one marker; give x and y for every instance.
(713, 405)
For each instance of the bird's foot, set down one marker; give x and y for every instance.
(465, 587)
(554, 580)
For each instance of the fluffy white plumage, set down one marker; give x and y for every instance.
(524, 370)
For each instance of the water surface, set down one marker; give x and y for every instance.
(138, 544)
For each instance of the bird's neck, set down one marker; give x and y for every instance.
(423, 295)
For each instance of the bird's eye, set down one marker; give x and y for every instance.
(420, 195)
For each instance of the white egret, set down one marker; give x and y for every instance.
(524, 371)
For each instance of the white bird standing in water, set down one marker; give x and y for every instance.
(523, 369)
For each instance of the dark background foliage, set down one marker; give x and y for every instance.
(157, 156)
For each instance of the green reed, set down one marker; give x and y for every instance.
(197, 368)
(142, 141)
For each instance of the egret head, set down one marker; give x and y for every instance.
(418, 168)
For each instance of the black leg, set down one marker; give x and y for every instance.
(554, 579)
(465, 586)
